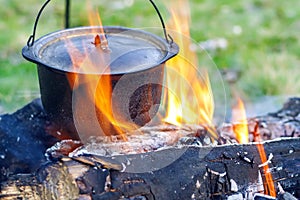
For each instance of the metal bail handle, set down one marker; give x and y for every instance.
(31, 39)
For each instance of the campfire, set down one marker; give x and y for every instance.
(125, 114)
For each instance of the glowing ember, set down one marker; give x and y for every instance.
(240, 124)
(97, 41)
(189, 96)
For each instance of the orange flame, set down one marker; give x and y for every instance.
(97, 88)
(240, 125)
(268, 182)
(95, 20)
(189, 96)
(240, 128)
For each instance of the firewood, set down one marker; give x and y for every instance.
(173, 173)
(196, 169)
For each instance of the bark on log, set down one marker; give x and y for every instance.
(192, 173)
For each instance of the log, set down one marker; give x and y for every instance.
(189, 172)
(181, 172)
(24, 138)
(283, 123)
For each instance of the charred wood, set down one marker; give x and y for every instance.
(24, 140)
(173, 173)
(283, 123)
(193, 169)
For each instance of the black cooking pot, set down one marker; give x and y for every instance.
(134, 62)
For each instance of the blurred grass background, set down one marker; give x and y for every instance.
(263, 40)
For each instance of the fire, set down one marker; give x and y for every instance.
(189, 95)
(268, 182)
(240, 128)
(97, 88)
(240, 125)
(95, 20)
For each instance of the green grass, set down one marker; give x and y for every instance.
(266, 52)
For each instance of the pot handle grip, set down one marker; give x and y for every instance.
(31, 39)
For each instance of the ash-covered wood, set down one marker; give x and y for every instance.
(189, 171)
(143, 140)
(284, 123)
(174, 173)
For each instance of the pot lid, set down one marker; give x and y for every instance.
(74, 50)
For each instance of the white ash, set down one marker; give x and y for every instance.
(263, 196)
(135, 144)
(145, 140)
(198, 185)
(260, 183)
(233, 186)
(237, 196)
(269, 161)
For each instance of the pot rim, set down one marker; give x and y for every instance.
(31, 53)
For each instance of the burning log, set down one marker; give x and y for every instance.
(88, 96)
(178, 172)
(196, 172)
(283, 123)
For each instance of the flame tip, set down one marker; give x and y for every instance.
(194, 101)
(240, 123)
